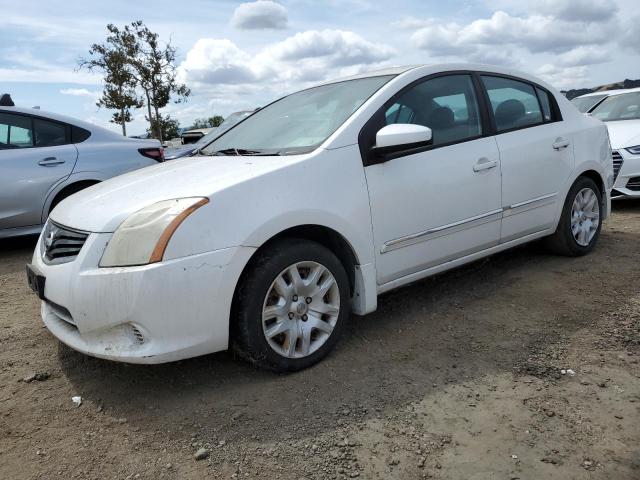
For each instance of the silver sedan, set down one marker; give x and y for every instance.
(45, 157)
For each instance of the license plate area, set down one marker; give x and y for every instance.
(36, 281)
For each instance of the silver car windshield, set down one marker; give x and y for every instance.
(229, 122)
(619, 107)
(299, 122)
(584, 104)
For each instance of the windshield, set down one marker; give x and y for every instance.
(584, 104)
(619, 107)
(229, 122)
(297, 123)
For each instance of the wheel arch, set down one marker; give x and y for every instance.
(360, 280)
(67, 189)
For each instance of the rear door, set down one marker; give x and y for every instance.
(35, 154)
(536, 154)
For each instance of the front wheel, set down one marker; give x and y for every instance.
(580, 222)
(291, 306)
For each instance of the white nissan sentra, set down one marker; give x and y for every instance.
(313, 206)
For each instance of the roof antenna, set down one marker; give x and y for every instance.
(5, 101)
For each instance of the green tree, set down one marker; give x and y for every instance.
(155, 72)
(216, 120)
(165, 127)
(210, 122)
(112, 58)
(200, 123)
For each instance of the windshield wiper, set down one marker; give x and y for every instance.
(242, 152)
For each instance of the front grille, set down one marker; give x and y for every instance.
(634, 184)
(61, 244)
(617, 164)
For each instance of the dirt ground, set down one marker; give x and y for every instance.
(521, 366)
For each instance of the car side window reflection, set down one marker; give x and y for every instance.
(15, 131)
(514, 104)
(49, 134)
(447, 105)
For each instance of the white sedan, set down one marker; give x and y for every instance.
(621, 113)
(314, 206)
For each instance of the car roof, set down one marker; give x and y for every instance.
(443, 67)
(60, 118)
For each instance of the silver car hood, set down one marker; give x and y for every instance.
(102, 207)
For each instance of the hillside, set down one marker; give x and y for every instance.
(611, 86)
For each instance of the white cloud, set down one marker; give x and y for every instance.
(47, 75)
(80, 92)
(260, 15)
(570, 10)
(307, 56)
(563, 77)
(579, 56)
(535, 33)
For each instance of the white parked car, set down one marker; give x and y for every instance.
(45, 157)
(587, 102)
(621, 113)
(315, 205)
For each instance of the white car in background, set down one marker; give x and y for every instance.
(587, 102)
(621, 113)
(45, 157)
(316, 204)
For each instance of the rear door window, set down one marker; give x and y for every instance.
(545, 103)
(50, 134)
(514, 104)
(15, 131)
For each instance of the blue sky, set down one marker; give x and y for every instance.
(239, 55)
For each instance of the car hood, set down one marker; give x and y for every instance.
(624, 133)
(102, 207)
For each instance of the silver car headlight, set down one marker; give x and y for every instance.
(143, 237)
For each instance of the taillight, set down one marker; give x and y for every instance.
(156, 153)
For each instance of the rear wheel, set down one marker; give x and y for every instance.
(580, 222)
(291, 307)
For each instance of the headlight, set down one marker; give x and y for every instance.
(634, 150)
(143, 237)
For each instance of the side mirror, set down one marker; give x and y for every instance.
(399, 137)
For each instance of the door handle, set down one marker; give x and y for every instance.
(484, 164)
(50, 161)
(560, 143)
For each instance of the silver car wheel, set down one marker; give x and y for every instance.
(300, 309)
(585, 216)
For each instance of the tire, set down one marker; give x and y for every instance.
(563, 241)
(292, 312)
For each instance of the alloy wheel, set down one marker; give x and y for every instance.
(300, 309)
(585, 216)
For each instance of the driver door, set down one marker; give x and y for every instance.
(442, 203)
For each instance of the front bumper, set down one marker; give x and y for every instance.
(626, 184)
(148, 314)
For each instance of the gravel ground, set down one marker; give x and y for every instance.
(521, 366)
